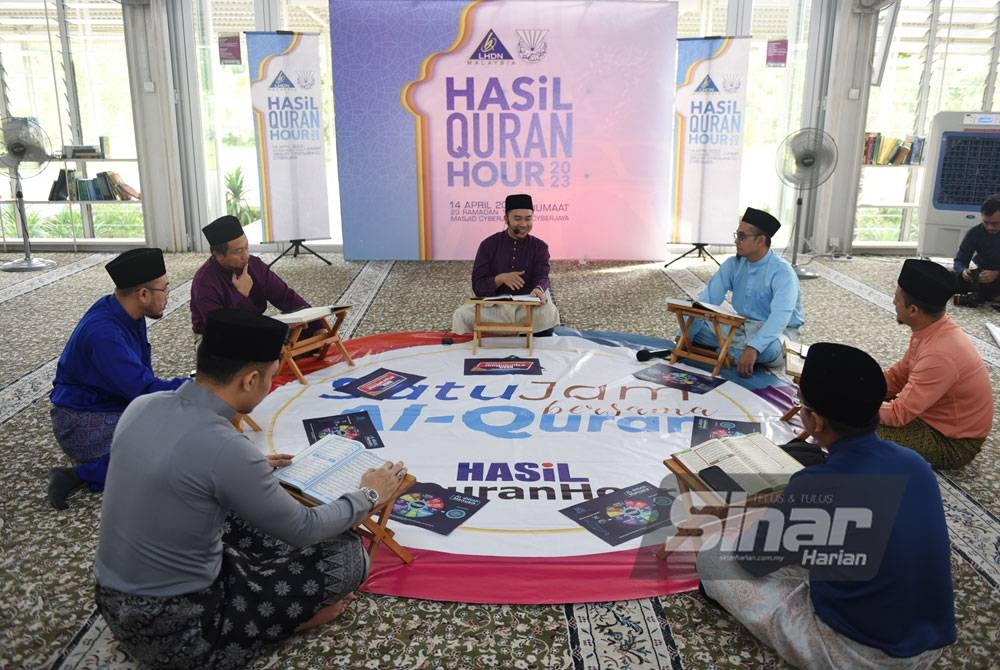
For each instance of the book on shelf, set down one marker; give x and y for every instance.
(882, 149)
(328, 469)
(707, 306)
(515, 298)
(751, 464)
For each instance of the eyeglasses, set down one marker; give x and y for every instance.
(165, 289)
(742, 236)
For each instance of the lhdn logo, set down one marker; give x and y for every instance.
(491, 48)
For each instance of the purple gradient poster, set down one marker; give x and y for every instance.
(443, 108)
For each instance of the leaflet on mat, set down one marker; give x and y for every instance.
(354, 426)
(667, 375)
(512, 365)
(435, 508)
(380, 384)
(307, 314)
(705, 428)
(625, 514)
(329, 469)
(756, 463)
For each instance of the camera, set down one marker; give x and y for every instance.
(972, 299)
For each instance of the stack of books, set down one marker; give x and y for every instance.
(105, 186)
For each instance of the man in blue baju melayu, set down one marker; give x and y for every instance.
(765, 291)
(106, 364)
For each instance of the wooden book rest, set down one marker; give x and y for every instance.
(689, 482)
(686, 348)
(524, 327)
(323, 339)
(375, 526)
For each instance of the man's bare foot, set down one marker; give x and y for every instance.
(327, 614)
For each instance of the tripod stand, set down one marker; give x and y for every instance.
(296, 245)
(700, 247)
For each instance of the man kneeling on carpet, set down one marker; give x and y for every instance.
(203, 559)
(850, 566)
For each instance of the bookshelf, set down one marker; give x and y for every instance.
(82, 210)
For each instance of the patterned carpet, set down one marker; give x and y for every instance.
(46, 597)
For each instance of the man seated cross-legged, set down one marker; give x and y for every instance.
(203, 559)
(765, 291)
(940, 400)
(850, 566)
(511, 262)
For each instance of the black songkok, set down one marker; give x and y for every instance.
(761, 219)
(224, 229)
(842, 383)
(244, 336)
(136, 266)
(927, 282)
(518, 201)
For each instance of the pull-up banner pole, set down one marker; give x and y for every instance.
(708, 136)
(288, 123)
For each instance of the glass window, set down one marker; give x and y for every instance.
(78, 90)
(955, 60)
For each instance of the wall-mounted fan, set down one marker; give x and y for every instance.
(805, 159)
(24, 152)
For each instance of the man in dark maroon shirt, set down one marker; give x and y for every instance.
(232, 278)
(511, 262)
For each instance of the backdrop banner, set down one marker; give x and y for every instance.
(288, 123)
(711, 92)
(444, 107)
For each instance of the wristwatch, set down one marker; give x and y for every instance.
(371, 495)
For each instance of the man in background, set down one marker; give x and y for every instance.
(107, 363)
(765, 291)
(980, 248)
(512, 262)
(940, 402)
(232, 278)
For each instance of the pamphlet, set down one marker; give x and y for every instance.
(435, 508)
(380, 384)
(705, 429)
(511, 365)
(328, 469)
(667, 375)
(356, 426)
(625, 514)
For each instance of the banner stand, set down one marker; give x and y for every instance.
(701, 248)
(294, 248)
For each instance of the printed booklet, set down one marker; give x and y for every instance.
(624, 514)
(435, 508)
(667, 375)
(354, 426)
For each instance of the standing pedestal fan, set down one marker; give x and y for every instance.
(805, 159)
(24, 151)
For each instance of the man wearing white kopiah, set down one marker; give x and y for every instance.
(765, 292)
(511, 262)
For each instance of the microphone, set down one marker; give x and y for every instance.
(644, 355)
